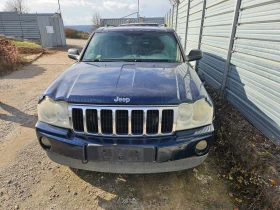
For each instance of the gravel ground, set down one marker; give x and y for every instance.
(29, 180)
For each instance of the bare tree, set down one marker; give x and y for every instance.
(96, 21)
(18, 6)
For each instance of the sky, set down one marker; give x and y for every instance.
(79, 12)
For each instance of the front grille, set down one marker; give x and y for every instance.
(137, 122)
(167, 116)
(92, 120)
(122, 122)
(77, 116)
(107, 121)
(130, 121)
(152, 121)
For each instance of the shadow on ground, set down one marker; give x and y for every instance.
(17, 116)
(197, 188)
(33, 71)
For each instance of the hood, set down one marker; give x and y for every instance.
(127, 83)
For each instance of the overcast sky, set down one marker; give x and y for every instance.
(79, 12)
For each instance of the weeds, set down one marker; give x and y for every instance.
(244, 155)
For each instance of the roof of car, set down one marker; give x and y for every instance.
(136, 28)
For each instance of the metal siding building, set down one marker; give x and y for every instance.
(33, 26)
(215, 40)
(253, 83)
(29, 26)
(159, 20)
(119, 21)
(241, 44)
(47, 38)
(174, 12)
(182, 20)
(194, 23)
(11, 24)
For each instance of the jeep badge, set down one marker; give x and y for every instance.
(126, 100)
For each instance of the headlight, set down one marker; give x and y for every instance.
(54, 113)
(194, 115)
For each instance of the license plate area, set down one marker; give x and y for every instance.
(120, 153)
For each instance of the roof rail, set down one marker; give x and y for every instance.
(107, 25)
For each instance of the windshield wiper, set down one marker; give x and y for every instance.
(130, 60)
(103, 60)
(148, 60)
(159, 60)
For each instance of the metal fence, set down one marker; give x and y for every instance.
(33, 26)
(241, 44)
(119, 21)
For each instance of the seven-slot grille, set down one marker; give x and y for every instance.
(122, 121)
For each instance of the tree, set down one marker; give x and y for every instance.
(18, 6)
(96, 21)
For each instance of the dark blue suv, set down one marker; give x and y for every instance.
(131, 103)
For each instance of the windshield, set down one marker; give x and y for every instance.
(133, 46)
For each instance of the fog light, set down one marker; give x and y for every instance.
(46, 142)
(202, 145)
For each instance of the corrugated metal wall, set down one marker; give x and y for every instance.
(174, 12)
(62, 32)
(170, 19)
(241, 44)
(51, 39)
(194, 24)
(11, 24)
(215, 40)
(2, 32)
(159, 20)
(27, 26)
(46, 38)
(119, 21)
(253, 83)
(182, 20)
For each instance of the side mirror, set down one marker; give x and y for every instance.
(73, 54)
(194, 55)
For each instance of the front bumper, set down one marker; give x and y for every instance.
(169, 153)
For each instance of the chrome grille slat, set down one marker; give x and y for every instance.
(114, 122)
(131, 128)
(159, 120)
(129, 122)
(145, 122)
(99, 121)
(85, 120)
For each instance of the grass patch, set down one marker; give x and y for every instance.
(20, 44)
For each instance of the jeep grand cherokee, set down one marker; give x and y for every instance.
(131, 103)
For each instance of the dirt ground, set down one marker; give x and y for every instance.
(29, 180)
(249, 161)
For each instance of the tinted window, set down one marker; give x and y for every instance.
(133, 46)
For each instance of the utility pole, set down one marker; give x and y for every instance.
(59, 8)
(138, 13)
